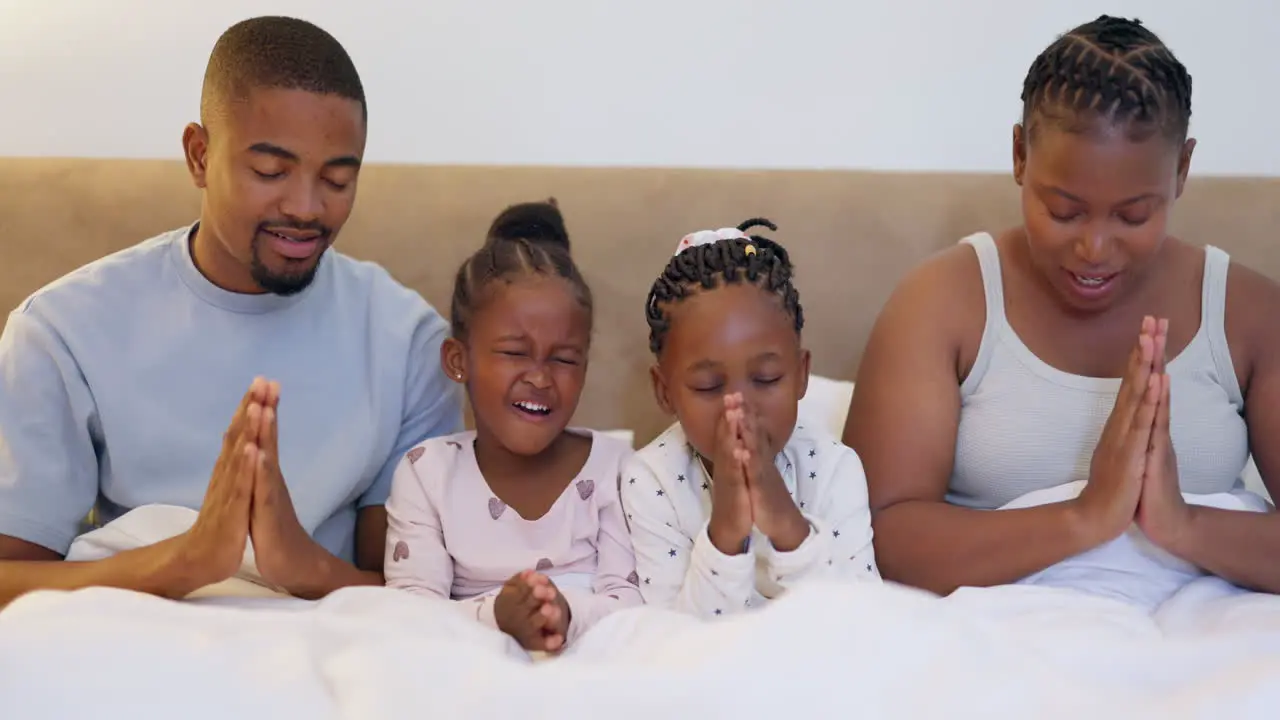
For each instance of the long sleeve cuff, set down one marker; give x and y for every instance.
(482, 609)
(586, 608)
(812, 554)
(731, 569)
(730, 578)
(582, 613)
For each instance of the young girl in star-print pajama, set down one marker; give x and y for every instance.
(518, 521)
(735, 502)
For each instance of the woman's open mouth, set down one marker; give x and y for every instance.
(1092, 286)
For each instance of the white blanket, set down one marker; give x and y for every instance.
(823, 651)
(1130, 568)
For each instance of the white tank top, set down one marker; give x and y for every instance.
(1027, 426)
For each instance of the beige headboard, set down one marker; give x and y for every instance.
(852, 235)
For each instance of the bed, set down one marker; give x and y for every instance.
(1209, 651)
(239, 650)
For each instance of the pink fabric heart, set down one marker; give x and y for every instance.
(634, 578)
(401, 552)
(416, 454)
(586, 488)
(543, 564)
(496, 508)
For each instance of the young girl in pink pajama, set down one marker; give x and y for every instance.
(517, 521)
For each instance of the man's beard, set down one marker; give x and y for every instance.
(286, 283)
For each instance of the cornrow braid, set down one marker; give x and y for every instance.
(705, 267)
(1114, 69)
(525, 239)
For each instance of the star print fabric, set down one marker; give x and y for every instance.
(449, 537)
(667, 500)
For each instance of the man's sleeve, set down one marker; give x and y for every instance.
(433, 403)
(48, 462)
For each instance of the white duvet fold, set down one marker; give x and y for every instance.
(1130, 568)
(1035, 650)
(822, 651)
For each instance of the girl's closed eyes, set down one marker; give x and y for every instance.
(519, 520)
(736, 479)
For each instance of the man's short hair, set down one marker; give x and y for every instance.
(277, 52)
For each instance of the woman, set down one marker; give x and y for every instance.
(1008, 365)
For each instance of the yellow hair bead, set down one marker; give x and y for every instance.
(749, 250)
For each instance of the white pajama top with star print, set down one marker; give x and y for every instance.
(450, 537)
(667, 498)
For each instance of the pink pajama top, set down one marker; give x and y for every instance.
(450, 537)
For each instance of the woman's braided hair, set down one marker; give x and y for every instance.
(1112, 69)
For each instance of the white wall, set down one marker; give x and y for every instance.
(900, 84)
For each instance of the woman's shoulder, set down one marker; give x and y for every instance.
(1252, 305)
(941, 287)
(938, 308)
(1248, 288)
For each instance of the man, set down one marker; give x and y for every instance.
(117, 380)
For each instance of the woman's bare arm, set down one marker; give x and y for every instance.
(903, 421)
(1244, 547)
